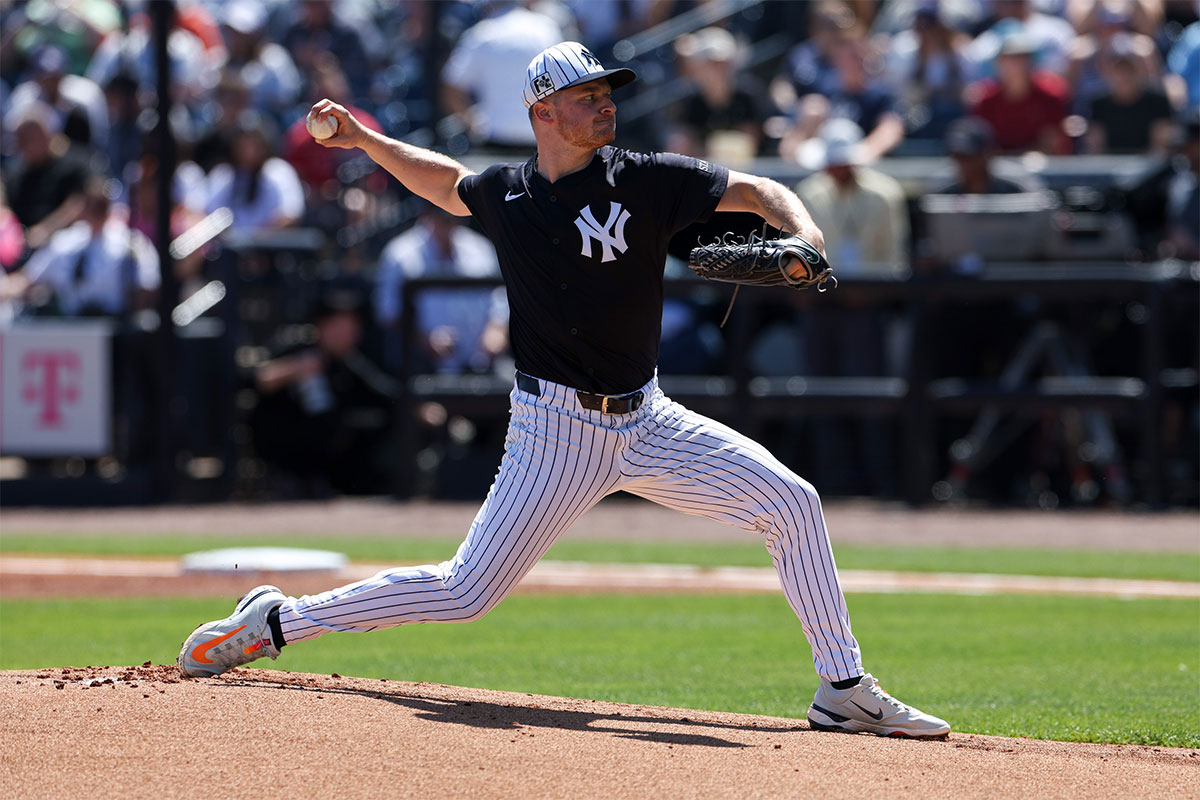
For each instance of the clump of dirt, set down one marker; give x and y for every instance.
(91, 675)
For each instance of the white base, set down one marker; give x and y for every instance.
(264, 559)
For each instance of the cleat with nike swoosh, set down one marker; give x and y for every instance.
(867, 708)
(242, 637)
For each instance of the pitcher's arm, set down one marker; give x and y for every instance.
(430, 175)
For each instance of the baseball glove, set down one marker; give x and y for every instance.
(757, 261)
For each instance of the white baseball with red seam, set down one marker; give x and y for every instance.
(321, 127)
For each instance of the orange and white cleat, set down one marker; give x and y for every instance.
(242, 637)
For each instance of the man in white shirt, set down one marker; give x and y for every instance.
(483, 79)
(98, 266)
(460, 330)
(861, 210)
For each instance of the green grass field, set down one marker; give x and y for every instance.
(1088, 564)
(1080, 669)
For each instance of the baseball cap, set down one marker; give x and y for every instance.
(1018, 43)
(565, 65)
(968, 136)
(707, 44)
(837, 144)
(246, 16)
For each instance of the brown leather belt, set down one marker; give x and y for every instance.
(604, 403)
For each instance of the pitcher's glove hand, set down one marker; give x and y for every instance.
(788, 261)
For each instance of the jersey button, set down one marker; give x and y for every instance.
(553, 198)
(555, 241)
(574, 331)
(563, 287)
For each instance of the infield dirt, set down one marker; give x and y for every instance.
(142, 732)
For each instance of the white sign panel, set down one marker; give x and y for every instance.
(55, 388)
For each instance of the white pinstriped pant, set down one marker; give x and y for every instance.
(561, 459)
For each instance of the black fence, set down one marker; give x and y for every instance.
(1038, 384)
(950, 429)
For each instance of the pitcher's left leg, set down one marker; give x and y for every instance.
(693, 464)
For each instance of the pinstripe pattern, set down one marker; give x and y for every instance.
(561, 459)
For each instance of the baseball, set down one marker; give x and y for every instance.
(321, 128)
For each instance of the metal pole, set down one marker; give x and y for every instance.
(162, 17)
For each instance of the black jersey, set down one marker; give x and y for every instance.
(583, 257)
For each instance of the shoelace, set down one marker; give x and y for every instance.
(879, 693)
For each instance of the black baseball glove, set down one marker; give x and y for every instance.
(757, 261)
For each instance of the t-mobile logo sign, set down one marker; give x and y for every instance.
(50, 378)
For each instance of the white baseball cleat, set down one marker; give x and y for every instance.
(240, 638)
(867, 708)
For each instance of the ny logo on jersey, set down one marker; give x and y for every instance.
(610, 235)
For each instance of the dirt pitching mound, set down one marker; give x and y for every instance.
(142, 732)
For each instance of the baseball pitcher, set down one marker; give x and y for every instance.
(581, 230)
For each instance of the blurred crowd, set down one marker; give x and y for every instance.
(830, 86)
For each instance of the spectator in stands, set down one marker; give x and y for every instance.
(1132, 115)
(487, 70)
(1109, 32)
(324, 418)
(860, 210)
(264, 67)
(1183, 196)
(124, 131)
(230, 102)
(75, 27)
(928, 72)
(1024, 107)
(457, 330)
(1163, 202)
(1183, 61)
(859, 97)
(319, 30)
(722, 118)
(140, 197)
(98, 266)
(1049, 36)
(1141, 16)
(971, 145)
(12, 237)
(194, 68)
(864, 217)
(262, 190)
(45, 185)
(316, 165)
(808, 66)
(77, 104)
(602, 25)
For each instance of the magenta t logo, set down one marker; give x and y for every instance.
(51, 378)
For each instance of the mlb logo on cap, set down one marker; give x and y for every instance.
(565, 65)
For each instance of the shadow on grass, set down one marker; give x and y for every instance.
(497, 716)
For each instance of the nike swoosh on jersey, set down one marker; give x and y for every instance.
(510, 196)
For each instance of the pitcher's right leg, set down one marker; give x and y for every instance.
(555, 467)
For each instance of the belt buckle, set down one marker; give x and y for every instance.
(604, 403)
